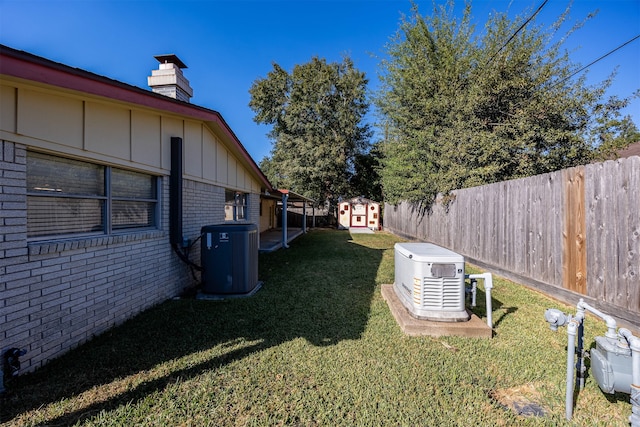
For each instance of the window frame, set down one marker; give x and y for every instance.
(240, 200)
(107, 200)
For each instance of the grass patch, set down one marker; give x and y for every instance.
(316, 346)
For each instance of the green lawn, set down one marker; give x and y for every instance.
(316, 346)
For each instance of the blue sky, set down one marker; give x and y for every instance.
(227, 45)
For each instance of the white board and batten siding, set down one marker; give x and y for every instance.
(118, 134)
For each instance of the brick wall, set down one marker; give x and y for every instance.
(203, 204)
(254, 209)
(56, 295)
(14, 274)
(13, 201)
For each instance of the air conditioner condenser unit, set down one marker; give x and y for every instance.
(429, 281)
(229, 257)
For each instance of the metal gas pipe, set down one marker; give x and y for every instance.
(613, 357)
(634, 344)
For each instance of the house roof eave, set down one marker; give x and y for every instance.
(26, 66)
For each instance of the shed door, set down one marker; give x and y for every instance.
(359, 215)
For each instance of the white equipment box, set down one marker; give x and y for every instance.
(429, 280)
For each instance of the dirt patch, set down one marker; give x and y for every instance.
(523, 400)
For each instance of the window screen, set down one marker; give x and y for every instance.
(66, 197)
(133, 199)
(235, 208)
(48, 216)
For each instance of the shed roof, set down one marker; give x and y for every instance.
(359, 199)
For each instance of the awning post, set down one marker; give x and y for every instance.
(304, 217)
(285, 202)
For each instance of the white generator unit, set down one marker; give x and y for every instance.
(429, 280)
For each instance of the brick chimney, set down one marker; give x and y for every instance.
(168, 79)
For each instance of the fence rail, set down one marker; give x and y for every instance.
(571, 234)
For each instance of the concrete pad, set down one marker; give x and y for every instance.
(223, 297)
(474, 328)
(360, 230)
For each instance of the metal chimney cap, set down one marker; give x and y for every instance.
(170, 58)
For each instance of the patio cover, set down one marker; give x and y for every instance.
(288, 197)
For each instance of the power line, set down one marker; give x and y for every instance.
(584, 68)
(517, 31)
(597, 60)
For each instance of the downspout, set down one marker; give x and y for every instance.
(285, 199)
(313, 216)
(176, 238)
(175, 193)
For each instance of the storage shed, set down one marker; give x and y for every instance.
(359, 212)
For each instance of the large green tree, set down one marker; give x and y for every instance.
(463, 107)
(317, 117)
(365, 180)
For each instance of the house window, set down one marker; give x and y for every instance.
(133, 199)
(71, 197)
(235, 206)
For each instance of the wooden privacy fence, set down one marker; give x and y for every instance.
(571, 234)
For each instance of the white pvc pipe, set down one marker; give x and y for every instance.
(571, 343)
(488, 285)
(610, 321)
(474, 291)
(634, 419)
(635, 361)
(575, 327)
(634, 344)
